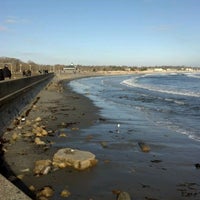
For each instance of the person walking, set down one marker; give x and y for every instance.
(1, 75)
(6, 72)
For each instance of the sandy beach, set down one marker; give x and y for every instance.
(166, 172)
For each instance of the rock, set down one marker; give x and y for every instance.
(20, 176)
(144, 147)
(38, 141)
(156, 161)
(77, 159)
(28, 134)
(47, 191)
(28, 122)
(15, 136)
(31, 188)
(74, 128)
(38, 119)
(197, 165)
(104, 144)
(62, 135)
(65, 193)
(39, 131)
(123, 196)
(42, 167)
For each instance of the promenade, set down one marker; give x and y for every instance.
(8, 191)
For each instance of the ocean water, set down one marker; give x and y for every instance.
(150, 102)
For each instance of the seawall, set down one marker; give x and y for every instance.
(16, 94)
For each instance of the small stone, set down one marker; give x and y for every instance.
(28, 134)
(123, 196)
(62, 135)
(39, 131)
(15, 136)
(31, 188)
(38, 119)
(65, 193)
(38, 141)
(74, 128)
(197, 165)
(28, 122)
(47, 191)
(104, 144)
(144, 147)
(42, 167)
(20, 176)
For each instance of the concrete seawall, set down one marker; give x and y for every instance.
(16, 94)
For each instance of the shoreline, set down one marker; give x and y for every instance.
(79, 113)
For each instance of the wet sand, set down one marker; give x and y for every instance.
(167, 172)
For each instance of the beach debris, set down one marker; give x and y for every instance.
(197, 165)
(45, 192)
(144, 147)
(121, 195)
(65, 193)
(42, 167)
(75, 158)
(23, 119)
(25, 170)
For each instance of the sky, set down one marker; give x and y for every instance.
(101, 32)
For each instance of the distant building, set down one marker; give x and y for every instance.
(69, 67)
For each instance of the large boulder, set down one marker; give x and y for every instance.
(77, 159)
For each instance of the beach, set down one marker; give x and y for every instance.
(166, 171)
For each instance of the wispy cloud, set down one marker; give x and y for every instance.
(10, 21)
(14, 20)
(162, 28)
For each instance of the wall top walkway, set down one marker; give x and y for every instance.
(8, 191)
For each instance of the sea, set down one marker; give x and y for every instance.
(146, 102)
(159, 110)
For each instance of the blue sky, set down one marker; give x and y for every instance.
(101, 32)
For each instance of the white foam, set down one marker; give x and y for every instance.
(133, 83)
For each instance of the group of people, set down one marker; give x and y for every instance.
(26, 72)
(5, 73)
